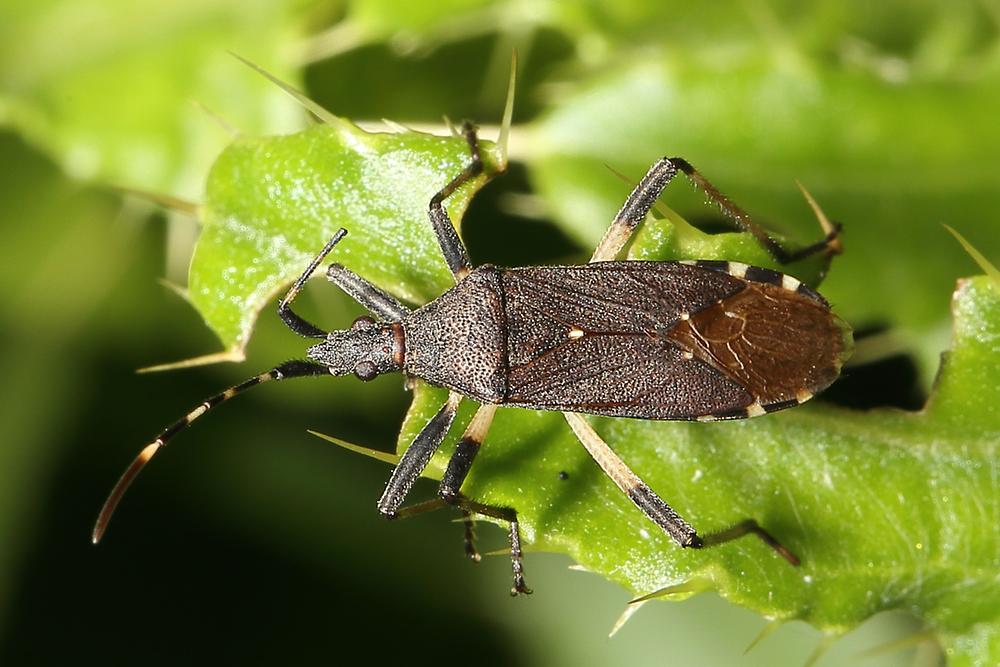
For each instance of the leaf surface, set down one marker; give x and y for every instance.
(273, 202)
(886, 509)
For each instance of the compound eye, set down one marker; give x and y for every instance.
(365, 370)
(363, 323)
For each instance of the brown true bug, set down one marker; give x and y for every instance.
(693, 340)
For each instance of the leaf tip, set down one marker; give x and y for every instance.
(217, 118)
(690, 587)
(508, 112)
(988, 268)
(624, 618)
(173, 287)
(376, 454)
(307, 103)
(825, 642)
(889, 647)
(769, 629)
(169, 202)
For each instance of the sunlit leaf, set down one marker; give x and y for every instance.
(885, 508)
(273, 202)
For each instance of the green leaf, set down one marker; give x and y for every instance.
(886, 509)
(273, 202)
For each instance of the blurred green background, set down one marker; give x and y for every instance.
(253, 542)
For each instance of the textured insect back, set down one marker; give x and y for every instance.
(667, 340)
(458, 340)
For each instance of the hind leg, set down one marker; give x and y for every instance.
(663, 171)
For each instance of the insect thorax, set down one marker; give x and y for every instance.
(459, 339)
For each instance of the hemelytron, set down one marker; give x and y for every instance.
(695, 340)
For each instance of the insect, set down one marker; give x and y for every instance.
(701, 340)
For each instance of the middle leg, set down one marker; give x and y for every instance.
(416, 457)
(450, 492)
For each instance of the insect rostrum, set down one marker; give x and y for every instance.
(699, 340)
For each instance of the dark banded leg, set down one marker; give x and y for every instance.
(375, 300)
(458, 469)
(469, 537)
(645, 194)
(743, 220)
(289, 369)
(451, 246)
(634, 210)
(631, 485)
(417, 456)
(449, 492)
(465, 452)
(435, 504)
(655, 507)
(519, 587)
(288, 316)
(748, 527)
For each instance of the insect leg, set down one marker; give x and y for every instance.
(508, 515)
(655, 507)
(634, 210)
(465, 453)
(451, 246)
(289, 369)
(449, 492)
(377, 301)
(437, 503)
(645, 194)
(417, 456)
(749, 527)
(472, 507)
(631, 485)
(469, 537)
(288, 316)
(742, 219)
(459, 465)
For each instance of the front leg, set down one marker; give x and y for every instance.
(291, 319)
(375, 300)
(417, 456)
(450, 491)
(452, 248)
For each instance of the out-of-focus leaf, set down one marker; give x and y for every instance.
(46, 309)
(108, 88)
